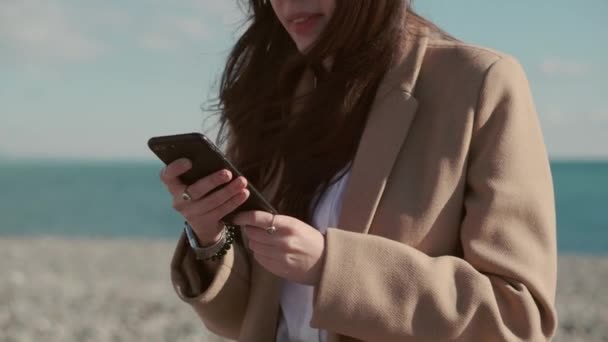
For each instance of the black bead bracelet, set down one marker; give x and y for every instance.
(230, 236)
(216, 251)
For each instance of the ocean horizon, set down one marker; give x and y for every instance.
(125, 199)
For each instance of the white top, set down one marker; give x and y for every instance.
(296, 299)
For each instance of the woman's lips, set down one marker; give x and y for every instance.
(304, 24)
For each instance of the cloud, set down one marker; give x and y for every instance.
(588, 117)
(66, 31)
(170, 33)
(44, 29)
(155, 41)
(575, 132)
(191, 27)
(190, 22)
(599, 116)
(561, 67)
(228, 12)
(555, 116)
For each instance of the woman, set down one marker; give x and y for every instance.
(411, 176)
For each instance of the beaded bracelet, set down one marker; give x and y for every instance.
(219, 249)
(229, 240)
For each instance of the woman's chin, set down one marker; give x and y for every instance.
(303, 45)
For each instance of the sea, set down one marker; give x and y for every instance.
(126, 200)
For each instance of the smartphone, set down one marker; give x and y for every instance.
(206, 159)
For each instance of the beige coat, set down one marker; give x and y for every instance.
(447, 230)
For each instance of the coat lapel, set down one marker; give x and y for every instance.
(387, 127)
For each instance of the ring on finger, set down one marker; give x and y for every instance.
(272, 229)
(186, 196)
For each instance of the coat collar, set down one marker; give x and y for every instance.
(387, 127)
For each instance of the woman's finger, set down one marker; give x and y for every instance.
(256, 218)
(204, 185)
(261, 236)
(229, 206)
(216, 210)
(202, 222)
(198, 190)
(221, 196)
(267, 250)
(170, 173)
(179, 203)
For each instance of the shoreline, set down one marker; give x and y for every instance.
(163, 239)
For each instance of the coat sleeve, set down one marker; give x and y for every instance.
(218, 292)
(503, 288)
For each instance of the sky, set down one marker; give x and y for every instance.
(82, 79)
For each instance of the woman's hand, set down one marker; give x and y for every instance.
(294, 252)
(205, 210)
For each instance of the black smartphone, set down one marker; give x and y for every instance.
(206, 159)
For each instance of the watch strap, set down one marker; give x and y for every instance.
(204, 253)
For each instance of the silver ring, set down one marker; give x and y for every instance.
(272, 229)
(186, 195)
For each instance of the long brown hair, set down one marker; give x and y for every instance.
(265, 137)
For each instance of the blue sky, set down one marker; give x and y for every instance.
(94, 80)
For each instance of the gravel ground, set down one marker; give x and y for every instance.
(100, 290)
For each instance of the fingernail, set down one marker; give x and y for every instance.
(185, 163)
(226, 174)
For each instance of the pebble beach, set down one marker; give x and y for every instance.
(67, 290)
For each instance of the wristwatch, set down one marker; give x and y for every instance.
(204, 253)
